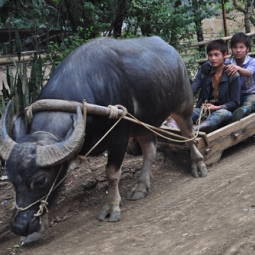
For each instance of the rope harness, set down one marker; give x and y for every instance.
(113, 115)
(204, 113)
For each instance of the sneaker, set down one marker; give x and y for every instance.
(205, 126)
(239, 113)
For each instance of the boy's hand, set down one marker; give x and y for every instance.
(231, 69)
(212, 107)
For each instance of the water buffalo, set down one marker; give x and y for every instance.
(146, 75)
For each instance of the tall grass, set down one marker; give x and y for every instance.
(22, 86)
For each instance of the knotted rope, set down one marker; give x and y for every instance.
(42, 206)
(204, 113)
(114, 111)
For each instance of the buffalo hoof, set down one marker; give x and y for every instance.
(103, 214)
(138, 192)
(198, 169)
(114, 216)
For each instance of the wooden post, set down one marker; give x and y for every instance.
(225, 23)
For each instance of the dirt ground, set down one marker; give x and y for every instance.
(181, 216)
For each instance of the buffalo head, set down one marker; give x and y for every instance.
(34, 162)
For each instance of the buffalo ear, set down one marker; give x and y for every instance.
(19, 126)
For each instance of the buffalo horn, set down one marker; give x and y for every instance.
(50, 155)
(6, 143)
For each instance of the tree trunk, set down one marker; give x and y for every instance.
(71, 18)
(119, 17)
(247, 17)
(198, 23)
(146, 28)
(247, 13)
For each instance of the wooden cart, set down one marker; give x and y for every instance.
(213, 144)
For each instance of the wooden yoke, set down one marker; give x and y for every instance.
(70, 106)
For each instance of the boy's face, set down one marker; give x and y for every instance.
(240, 50)
(216, 58)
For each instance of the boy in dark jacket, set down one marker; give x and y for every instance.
(219, 92)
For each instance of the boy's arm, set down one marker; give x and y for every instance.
(246, 72)
(232, 69)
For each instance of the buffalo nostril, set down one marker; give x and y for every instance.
(24, 228)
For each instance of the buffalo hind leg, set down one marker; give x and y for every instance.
(149, 147)
(198, 168)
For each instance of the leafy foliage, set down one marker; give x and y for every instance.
(159, 17)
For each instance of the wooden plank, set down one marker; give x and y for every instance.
(226, 137)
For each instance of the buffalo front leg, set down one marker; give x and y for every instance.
(198, 168)
(149, 147)
(112, 206)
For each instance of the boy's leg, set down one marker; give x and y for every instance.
(216, 119)
(248, 106)
(219, 117)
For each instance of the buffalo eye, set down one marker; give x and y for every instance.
(38, 182)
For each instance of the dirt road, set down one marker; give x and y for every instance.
(181, 215)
